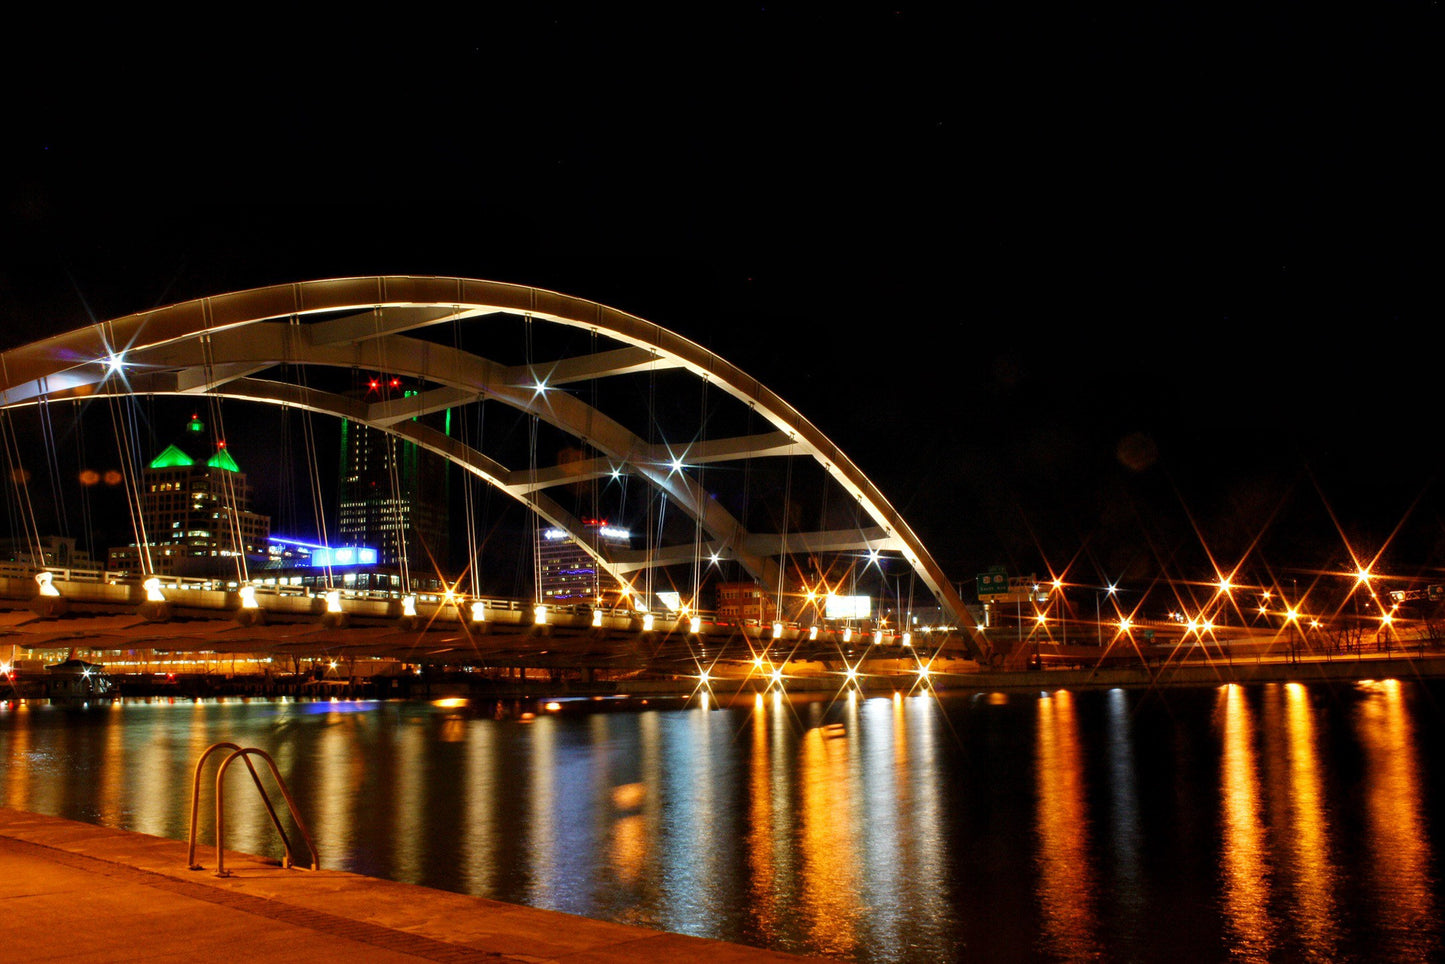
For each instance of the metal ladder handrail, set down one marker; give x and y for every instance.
(196, 799)
(244, 753)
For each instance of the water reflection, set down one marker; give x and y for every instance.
(111, 781)
(1395, 834)
(18, 763)
(762, 906)
(829, 903)
(882, 763)
(880, 829)
(1244, 853)
(1306, 830)
(1066, 888)
(540, 829)
(478, 841)
(1126, 888)
(917, 896)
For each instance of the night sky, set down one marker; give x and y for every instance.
(1069, 285)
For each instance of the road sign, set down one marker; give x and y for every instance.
(991, 583)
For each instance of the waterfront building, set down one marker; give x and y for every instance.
(196, 516)
(567, 571)
(52, 552)
(392, 495)
(737, 601)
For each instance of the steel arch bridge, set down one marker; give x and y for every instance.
(227, 345)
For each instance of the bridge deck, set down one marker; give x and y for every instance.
(103, 616)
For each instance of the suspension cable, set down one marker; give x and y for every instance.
(399, 518)
(532, 430)
(231, 507)
(17, 478)
(594, 488)
(469, 479)
(742, 523)
(783, 536)
(469, 498)
(652, 534)
(313, 471)
(52, 464)
(87, 528)
(22, 489)
(701, 501)
(124, 431)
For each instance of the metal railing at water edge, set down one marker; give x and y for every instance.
(244, 754)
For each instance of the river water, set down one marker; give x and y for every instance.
(1259, 823)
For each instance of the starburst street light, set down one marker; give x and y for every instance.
(1111, 589)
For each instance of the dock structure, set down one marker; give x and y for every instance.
(76, 892)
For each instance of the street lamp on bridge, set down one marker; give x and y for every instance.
(1098, 616)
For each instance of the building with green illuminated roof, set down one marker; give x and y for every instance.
(196, 512)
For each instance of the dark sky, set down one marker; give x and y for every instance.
(1060, 280)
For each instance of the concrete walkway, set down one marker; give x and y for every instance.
(76, 892)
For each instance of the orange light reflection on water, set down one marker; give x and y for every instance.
(1307, 830)
(1245, 857)
(629, 846)
(762, 890)
(829, 905)
(541, 804)
(17, 759)
(111, 781)
(479, 837)
(1066, 885)
(1394, 823)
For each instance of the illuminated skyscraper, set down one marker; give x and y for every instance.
(568, 572)
(393, 496)
(196, 512)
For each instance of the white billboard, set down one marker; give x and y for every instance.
(847, 607)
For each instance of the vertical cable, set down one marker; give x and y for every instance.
(87, 527)
(22, 489)
(131, 481)
(701, 503)
(231, 506)
(783, 536)
(52, 464)
(532, 430)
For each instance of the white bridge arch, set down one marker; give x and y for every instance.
(220, 344)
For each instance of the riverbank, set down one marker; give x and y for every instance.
(75, 891)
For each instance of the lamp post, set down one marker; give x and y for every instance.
(1098, 617)
(1042, 619)
(1291, 616)
(1058, 587)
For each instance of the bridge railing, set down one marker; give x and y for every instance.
(24, 570)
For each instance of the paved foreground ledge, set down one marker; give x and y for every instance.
(77, 892)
